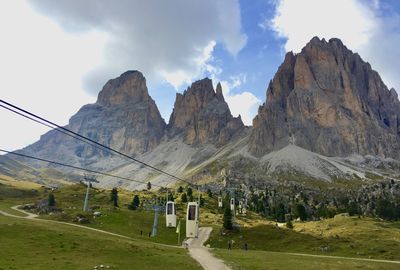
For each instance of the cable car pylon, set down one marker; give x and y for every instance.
(89, 179)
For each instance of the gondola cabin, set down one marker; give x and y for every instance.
(219, 202)
(232, 204)
(170, 214)
(192, 220)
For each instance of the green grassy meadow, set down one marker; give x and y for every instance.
(34, 245)
(260, 260)
(40, 243)
(343, 236)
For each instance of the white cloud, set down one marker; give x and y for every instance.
(52, 51)
(202, 63)
(245, 103)
(166, 40)
(40, 69)
(299, 21)
(356, 23)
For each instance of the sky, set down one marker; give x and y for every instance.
(55, 56)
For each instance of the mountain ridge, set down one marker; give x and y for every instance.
(324, 104)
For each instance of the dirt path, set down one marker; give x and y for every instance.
(201, 254)
(28, 215)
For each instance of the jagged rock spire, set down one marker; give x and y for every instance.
(202, 115)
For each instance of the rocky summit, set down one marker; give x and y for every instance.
(124, 117)
(328, 100)
(202, 115)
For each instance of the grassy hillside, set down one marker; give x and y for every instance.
(115, 219)
(34, 245)
(340, 236)
(257, 260)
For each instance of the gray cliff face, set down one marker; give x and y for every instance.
(328, 100)
(202, 115)
(124, 117)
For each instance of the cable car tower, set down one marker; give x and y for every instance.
(89, 179)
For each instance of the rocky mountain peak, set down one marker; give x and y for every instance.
(393, 94)
(129, 88)
(124, 117)
(202, 115)
(328, 100)
(219, 93)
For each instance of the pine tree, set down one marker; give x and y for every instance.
(51, 200)
(280, 212)
(148, 186)
(114, 197)
(228, 218)
(209, 193)
(385, 209)
(189, 192)
(184, 198)
(135, 203)
(202, 201)
(180, 189)
(300, 212)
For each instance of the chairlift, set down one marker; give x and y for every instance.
(232, 204)
(219, 201)
(170, 214)
(192, 220)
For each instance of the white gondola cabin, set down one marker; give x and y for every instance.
(232, 204)
(219, 201)
(170, 214)
(192, 220)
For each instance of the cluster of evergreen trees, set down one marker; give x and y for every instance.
(281, 207)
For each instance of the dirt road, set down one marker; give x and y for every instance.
(201, 254)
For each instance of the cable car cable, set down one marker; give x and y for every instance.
(74, 167)
(88, 140)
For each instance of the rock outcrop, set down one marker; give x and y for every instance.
(201, 115)
(124, 117)
(328, 100)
